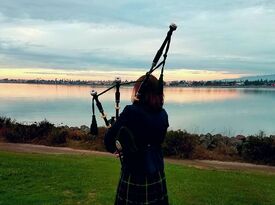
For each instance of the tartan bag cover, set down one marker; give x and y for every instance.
(147, 189)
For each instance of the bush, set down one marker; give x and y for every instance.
(14, 136)
(44, 128)
(76, 134)
(180, 143)
(6, 122)
(57, 137)
(16, 133)
(258, 149)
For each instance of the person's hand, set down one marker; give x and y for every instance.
(116, 153)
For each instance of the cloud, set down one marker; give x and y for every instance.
(129, 74)
(82, 35)
(76, 45)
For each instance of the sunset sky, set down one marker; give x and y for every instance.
(97, 40)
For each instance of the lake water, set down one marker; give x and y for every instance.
(229, 111)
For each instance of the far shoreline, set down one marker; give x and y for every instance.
(108, 85)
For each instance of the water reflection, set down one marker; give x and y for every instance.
(189, 95)
(172, 95)
(200, 110)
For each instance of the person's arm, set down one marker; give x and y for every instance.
(166, 125)
(109, 139)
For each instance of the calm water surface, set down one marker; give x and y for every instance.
(228, 111)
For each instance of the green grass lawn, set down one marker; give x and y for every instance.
(82, 179)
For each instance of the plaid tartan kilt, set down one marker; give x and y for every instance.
(137, 189)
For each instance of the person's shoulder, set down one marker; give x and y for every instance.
(133, 106)
(129, 109)
(163, 114)
(136, 108)
(163, 111)
(130, 112)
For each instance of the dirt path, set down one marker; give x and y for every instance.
(201, 164)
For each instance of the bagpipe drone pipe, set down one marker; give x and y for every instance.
(117, 83)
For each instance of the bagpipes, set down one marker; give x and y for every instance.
(117, 83)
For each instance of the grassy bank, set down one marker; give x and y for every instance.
(81, 179)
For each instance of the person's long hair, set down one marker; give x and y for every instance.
(152, 97)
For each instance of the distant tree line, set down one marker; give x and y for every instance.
(220, 83)
(178, 144)
(259, 82)
(181, 83)
(58, 81)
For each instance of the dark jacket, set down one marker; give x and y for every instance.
(149, 129)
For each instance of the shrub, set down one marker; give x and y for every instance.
(6, 122)
(57, 137)
(259, 149)
(180, 143)
(76, 134)
(44, 128)
(12, 135)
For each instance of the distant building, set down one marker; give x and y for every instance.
(239, 83)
